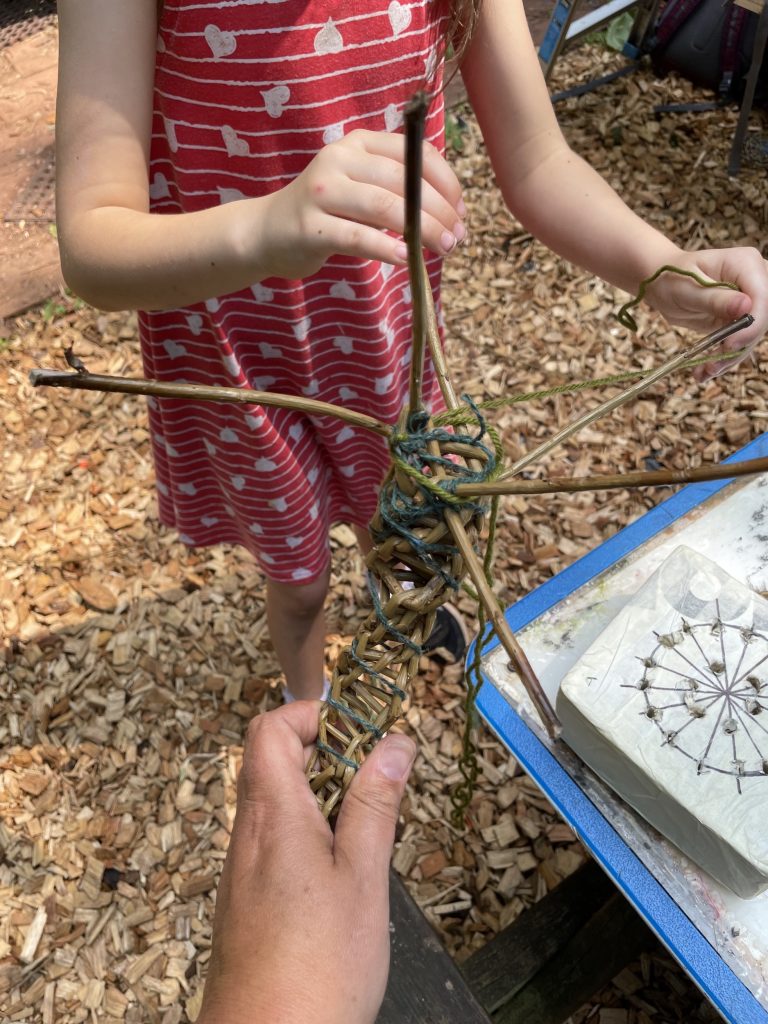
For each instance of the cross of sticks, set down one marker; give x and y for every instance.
(430, 515)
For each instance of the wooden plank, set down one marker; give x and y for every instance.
(425, 986)
(615, 936)
(498, 971)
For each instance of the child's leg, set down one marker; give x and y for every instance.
(296, 620)
(364, 540)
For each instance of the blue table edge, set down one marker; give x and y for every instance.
(676, 931)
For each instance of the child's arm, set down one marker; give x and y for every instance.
(118, 255)
(567, 205)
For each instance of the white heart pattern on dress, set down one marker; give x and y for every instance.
(275, 99)
(195, 323)
(209, 520)
(328, 39)
(238, 482)
(347, 394)
(300, 574)
(261, 293)
(158, 187)
(254, 422)
(386, 270)
(406, 293)
(228, 436)
(313, 388)
(233, 366)
(399, 17)
(344, 345)
(348, 471)
(342, 290)
(170, 134)
(301, 328)
(263, 383)
(235, 145)
(345, 434)
(212, 305)
(382, 384)
(173, 349)
(279, 504)
(393, 117)
(230, 195)
(222, 44)
(269, 351)
(189, 489)
(314, 511)
(294, 542)
(333, 133)
(296, 432)
(312, 476)
(256, 528)
(160, 44)
(210, 448)
(265, 465)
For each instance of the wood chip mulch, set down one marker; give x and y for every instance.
(131, 665)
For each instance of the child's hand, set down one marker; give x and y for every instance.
(291, 889)
(687, 304)
(350, 192)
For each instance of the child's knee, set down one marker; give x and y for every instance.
(305, 600)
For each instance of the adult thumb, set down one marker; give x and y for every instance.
(365, 831)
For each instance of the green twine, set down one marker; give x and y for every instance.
(627, 320)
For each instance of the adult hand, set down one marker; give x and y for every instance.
(349, 196)
(301, 931)
(687, 304)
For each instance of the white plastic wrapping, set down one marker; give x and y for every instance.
(669, 706)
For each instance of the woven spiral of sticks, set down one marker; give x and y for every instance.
(413, 569)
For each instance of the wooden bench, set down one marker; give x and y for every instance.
(538, 970)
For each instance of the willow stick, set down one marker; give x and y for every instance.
(202, 392)
(435, 348)
(475, 568)
(415, 114)
(626, 396)
(616, 481)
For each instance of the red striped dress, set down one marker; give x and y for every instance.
(246, 92)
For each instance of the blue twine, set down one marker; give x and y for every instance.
(349, 713)
(399, 512)
(334, 753)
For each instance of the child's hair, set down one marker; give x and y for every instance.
(462, 19)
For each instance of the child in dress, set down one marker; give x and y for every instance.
(234, 168)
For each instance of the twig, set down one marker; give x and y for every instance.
(475, 568)
(203, 392)
(626, 396)
(615, 481)
(415, 114)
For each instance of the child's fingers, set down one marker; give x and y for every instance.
(435, 170)
(388, 174)
(349, 238)
(379, 208)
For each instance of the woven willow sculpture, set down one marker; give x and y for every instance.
(430, 517)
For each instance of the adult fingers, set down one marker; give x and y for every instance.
(273, 759)
(365, 831)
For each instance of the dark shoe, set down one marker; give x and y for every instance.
(449, 638)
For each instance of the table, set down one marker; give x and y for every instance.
(719, 940)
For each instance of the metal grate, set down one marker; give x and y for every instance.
(22, 18)
(35, 203)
